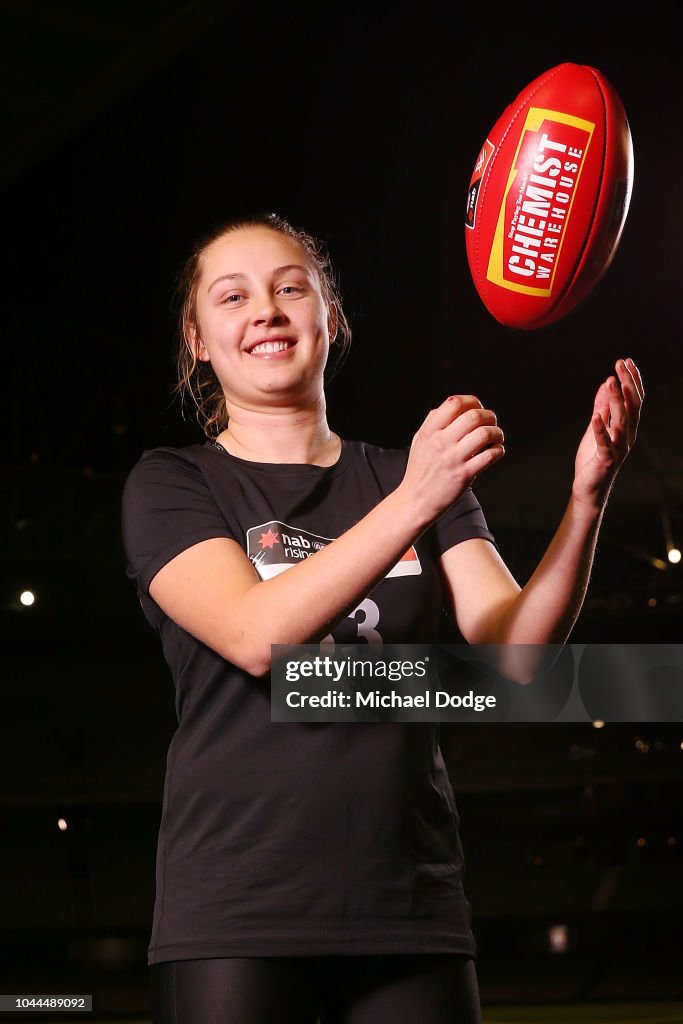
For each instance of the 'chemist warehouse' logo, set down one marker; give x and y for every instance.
(274, 547)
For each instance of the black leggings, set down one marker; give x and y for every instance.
(416, 989)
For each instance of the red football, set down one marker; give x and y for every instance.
(549, 196)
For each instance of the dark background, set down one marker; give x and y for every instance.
(127, 131)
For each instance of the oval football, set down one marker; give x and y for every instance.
(549, 196)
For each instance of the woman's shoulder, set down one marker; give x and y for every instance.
(166, 465)
(377, 454)
(384, 463)
(172, 455)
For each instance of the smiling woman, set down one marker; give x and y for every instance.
(197, 380)
(305, 872)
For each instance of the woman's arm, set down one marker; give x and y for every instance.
(494, 609)
(213, 592)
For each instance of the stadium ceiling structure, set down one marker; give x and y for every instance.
(63, 64)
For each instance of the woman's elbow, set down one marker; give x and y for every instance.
(257, 661)
(247, 654)
(526, 663)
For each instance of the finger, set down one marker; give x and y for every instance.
(602, 437)
(469, 421)
(617, 411)
(475, 441)
(637, 378)
(482, 460)
(601, 416)
(453, 406)
(628, 383)
(601, 403)
(632, 399)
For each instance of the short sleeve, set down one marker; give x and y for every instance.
(166, 507)
(464, 520)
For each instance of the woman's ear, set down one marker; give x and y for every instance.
(195, 344)
(332, 323)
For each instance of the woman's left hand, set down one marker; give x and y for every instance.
(610, 435)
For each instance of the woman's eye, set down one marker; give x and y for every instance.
(231, 299)
(291, 288)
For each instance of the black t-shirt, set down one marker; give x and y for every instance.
(296, 838)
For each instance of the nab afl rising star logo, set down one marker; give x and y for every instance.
(274, 546)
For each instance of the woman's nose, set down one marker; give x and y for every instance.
(268, 311)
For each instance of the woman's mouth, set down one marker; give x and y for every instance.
(272, 348)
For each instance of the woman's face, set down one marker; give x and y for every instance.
(262, 321)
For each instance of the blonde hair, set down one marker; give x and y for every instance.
(196, 381)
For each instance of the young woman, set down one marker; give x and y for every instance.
(311, 871)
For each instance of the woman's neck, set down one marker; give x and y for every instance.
(299, 436)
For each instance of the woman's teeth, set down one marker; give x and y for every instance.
(270, 346)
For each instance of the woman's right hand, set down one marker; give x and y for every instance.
(457, 441)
